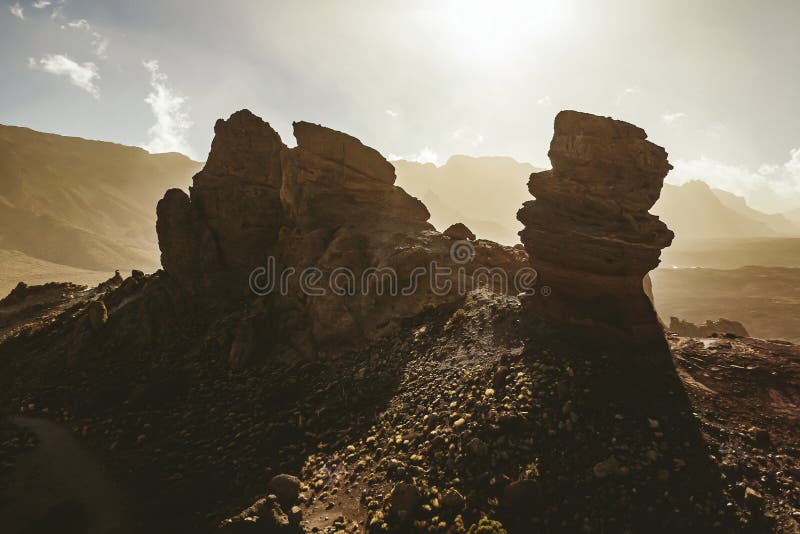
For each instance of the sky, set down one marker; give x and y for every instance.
(716, 82)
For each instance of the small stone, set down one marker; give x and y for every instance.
(286, 488)
(459, 231)
(404, 500)
(753, 498)
(98, 315)
(452, 500)
(760, 436)
(608, 467)
(499, 379)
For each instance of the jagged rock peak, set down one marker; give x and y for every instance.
(328, 203)
(244, 147)
(589, 234)
(343, 149)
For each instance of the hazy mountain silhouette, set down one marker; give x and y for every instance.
(80, 203)
(778, 222)
(793, 216)
(482, 192)
(695, 211)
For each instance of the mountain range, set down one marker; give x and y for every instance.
(85, 205)
(78, 209)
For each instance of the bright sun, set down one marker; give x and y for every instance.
(493, 32)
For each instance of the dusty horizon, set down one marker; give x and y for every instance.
(707, 81)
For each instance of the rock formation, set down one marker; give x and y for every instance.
(588, 231)
(710, 328)
(459, 231)
(326, 211)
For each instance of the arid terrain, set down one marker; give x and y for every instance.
(188, 400)
(765, 299)
(491, 422)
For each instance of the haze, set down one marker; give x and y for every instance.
(714, 82)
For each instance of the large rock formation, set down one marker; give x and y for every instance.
(589, 234)
(324, 212)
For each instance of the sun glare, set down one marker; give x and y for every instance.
(496, 32)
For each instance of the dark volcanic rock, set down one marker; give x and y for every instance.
(589, 234)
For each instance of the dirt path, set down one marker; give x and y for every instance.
(60, 487)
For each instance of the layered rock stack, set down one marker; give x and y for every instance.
(330, 204)
(589, 233)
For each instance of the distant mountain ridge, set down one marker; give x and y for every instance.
(485, 193)
(482, 192)
(696, 211)
(80, 203)
(91, 204)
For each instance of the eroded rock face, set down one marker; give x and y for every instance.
(211, 239)
(328, 204)
(589, 234)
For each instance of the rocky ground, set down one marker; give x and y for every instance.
(455, 422)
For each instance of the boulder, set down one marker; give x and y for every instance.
(404, 501)
(98, 315)
(286, 488)
(459, 231)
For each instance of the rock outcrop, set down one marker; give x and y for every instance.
(355, 251)
(459, 231)
(720, 327)
(588, 231)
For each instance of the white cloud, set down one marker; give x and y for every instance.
(392, 113)
(17, 11)
(670, 118)
(468, 136)
(41, 4)
(81, 24)
(99, 43)
(426, 155)
(83, 75)
(168, 134)
(627, 93)
(544, 101)
(770, 188)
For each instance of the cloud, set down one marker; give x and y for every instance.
(83, 75)
(627, 93)
(770, 188)
(41, 4)
(544, 101)
(81, 24)
(17, 11)
(426, 155)
(168, 134)
(468, 136)
(99, 43)
(670, 118)
(393, 114)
